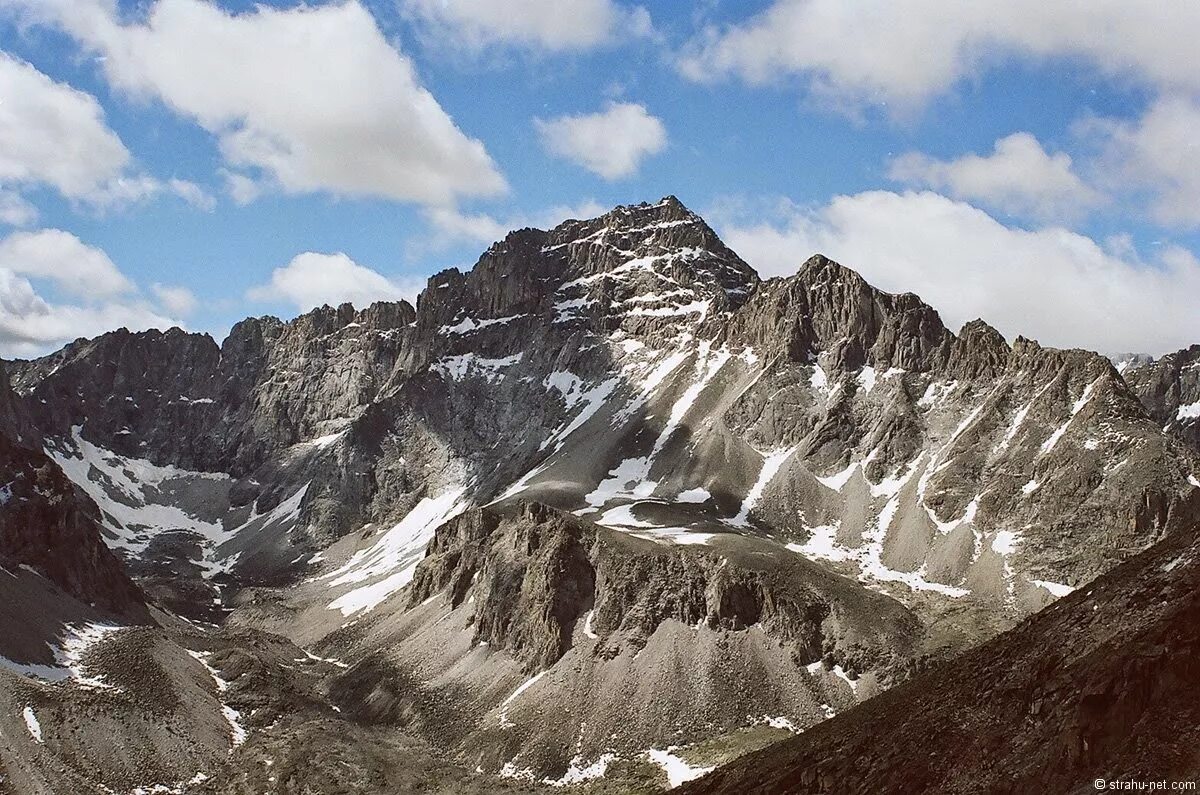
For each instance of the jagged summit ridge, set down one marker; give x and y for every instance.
(617, 457)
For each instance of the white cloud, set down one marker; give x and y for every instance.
(32, 326)
(903, 53)
(52, 134)
(453, 225)
(1018, 177)
(545, 24)
(312, 97)
(102, 298)
(191, 193)
(59, 256)
(312, 279)
(242, 189)
(15, 210)
(1057, 286)
(1159, 153)
(174, 298)
(611, 143)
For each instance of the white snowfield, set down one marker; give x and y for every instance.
(1189, 411)
(133, 519)
(133, 510)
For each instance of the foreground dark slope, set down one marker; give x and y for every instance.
(1103, 684)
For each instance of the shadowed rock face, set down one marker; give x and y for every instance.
(1103, 684)
(46, 525)
(1170, 389)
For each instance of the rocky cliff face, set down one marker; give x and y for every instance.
(46, 526)
(1170, 389)
(611, 455)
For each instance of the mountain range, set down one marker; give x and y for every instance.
(606, 512)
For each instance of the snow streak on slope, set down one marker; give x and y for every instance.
(389, 563)
(237, 732)
(677, 769)
(32, 723)
(631, 478)
(823, 544)
(70, 656)
(770, 467)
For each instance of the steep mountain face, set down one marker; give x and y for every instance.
(1170, 389)
(47, 528)
(611, 475)
(1102, 685)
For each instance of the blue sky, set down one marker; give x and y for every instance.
(192, 162)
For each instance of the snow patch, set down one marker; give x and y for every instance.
(840, 673)
(76, 644)
(587, 626)
(822, 544)
(839, 479)
(323, 442)
(469, 324)
(866, 378)
(1005, 542)
(677, 769)
(1056, 589)
(237, 732)
(460, 367)
(31, 723)
(1188, 412)
(780, 722)
(126, 489)
(579, 772)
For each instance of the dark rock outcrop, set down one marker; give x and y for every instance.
(47, 526)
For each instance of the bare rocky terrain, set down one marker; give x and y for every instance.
(602, 513)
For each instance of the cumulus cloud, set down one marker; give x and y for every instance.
(175, 299)
(312, 279)
(61, 257)
(903, 53)
(1157, 153)
(1057, 286)
(15, 210)
(310, 98)
(550, 25)
(100, 297)
(452, 225)
(52, 134)
(611, 143)
(1018, 177)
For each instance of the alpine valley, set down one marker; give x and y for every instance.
(603, 514)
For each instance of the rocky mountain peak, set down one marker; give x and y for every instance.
(979, 351)
(606, 457)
